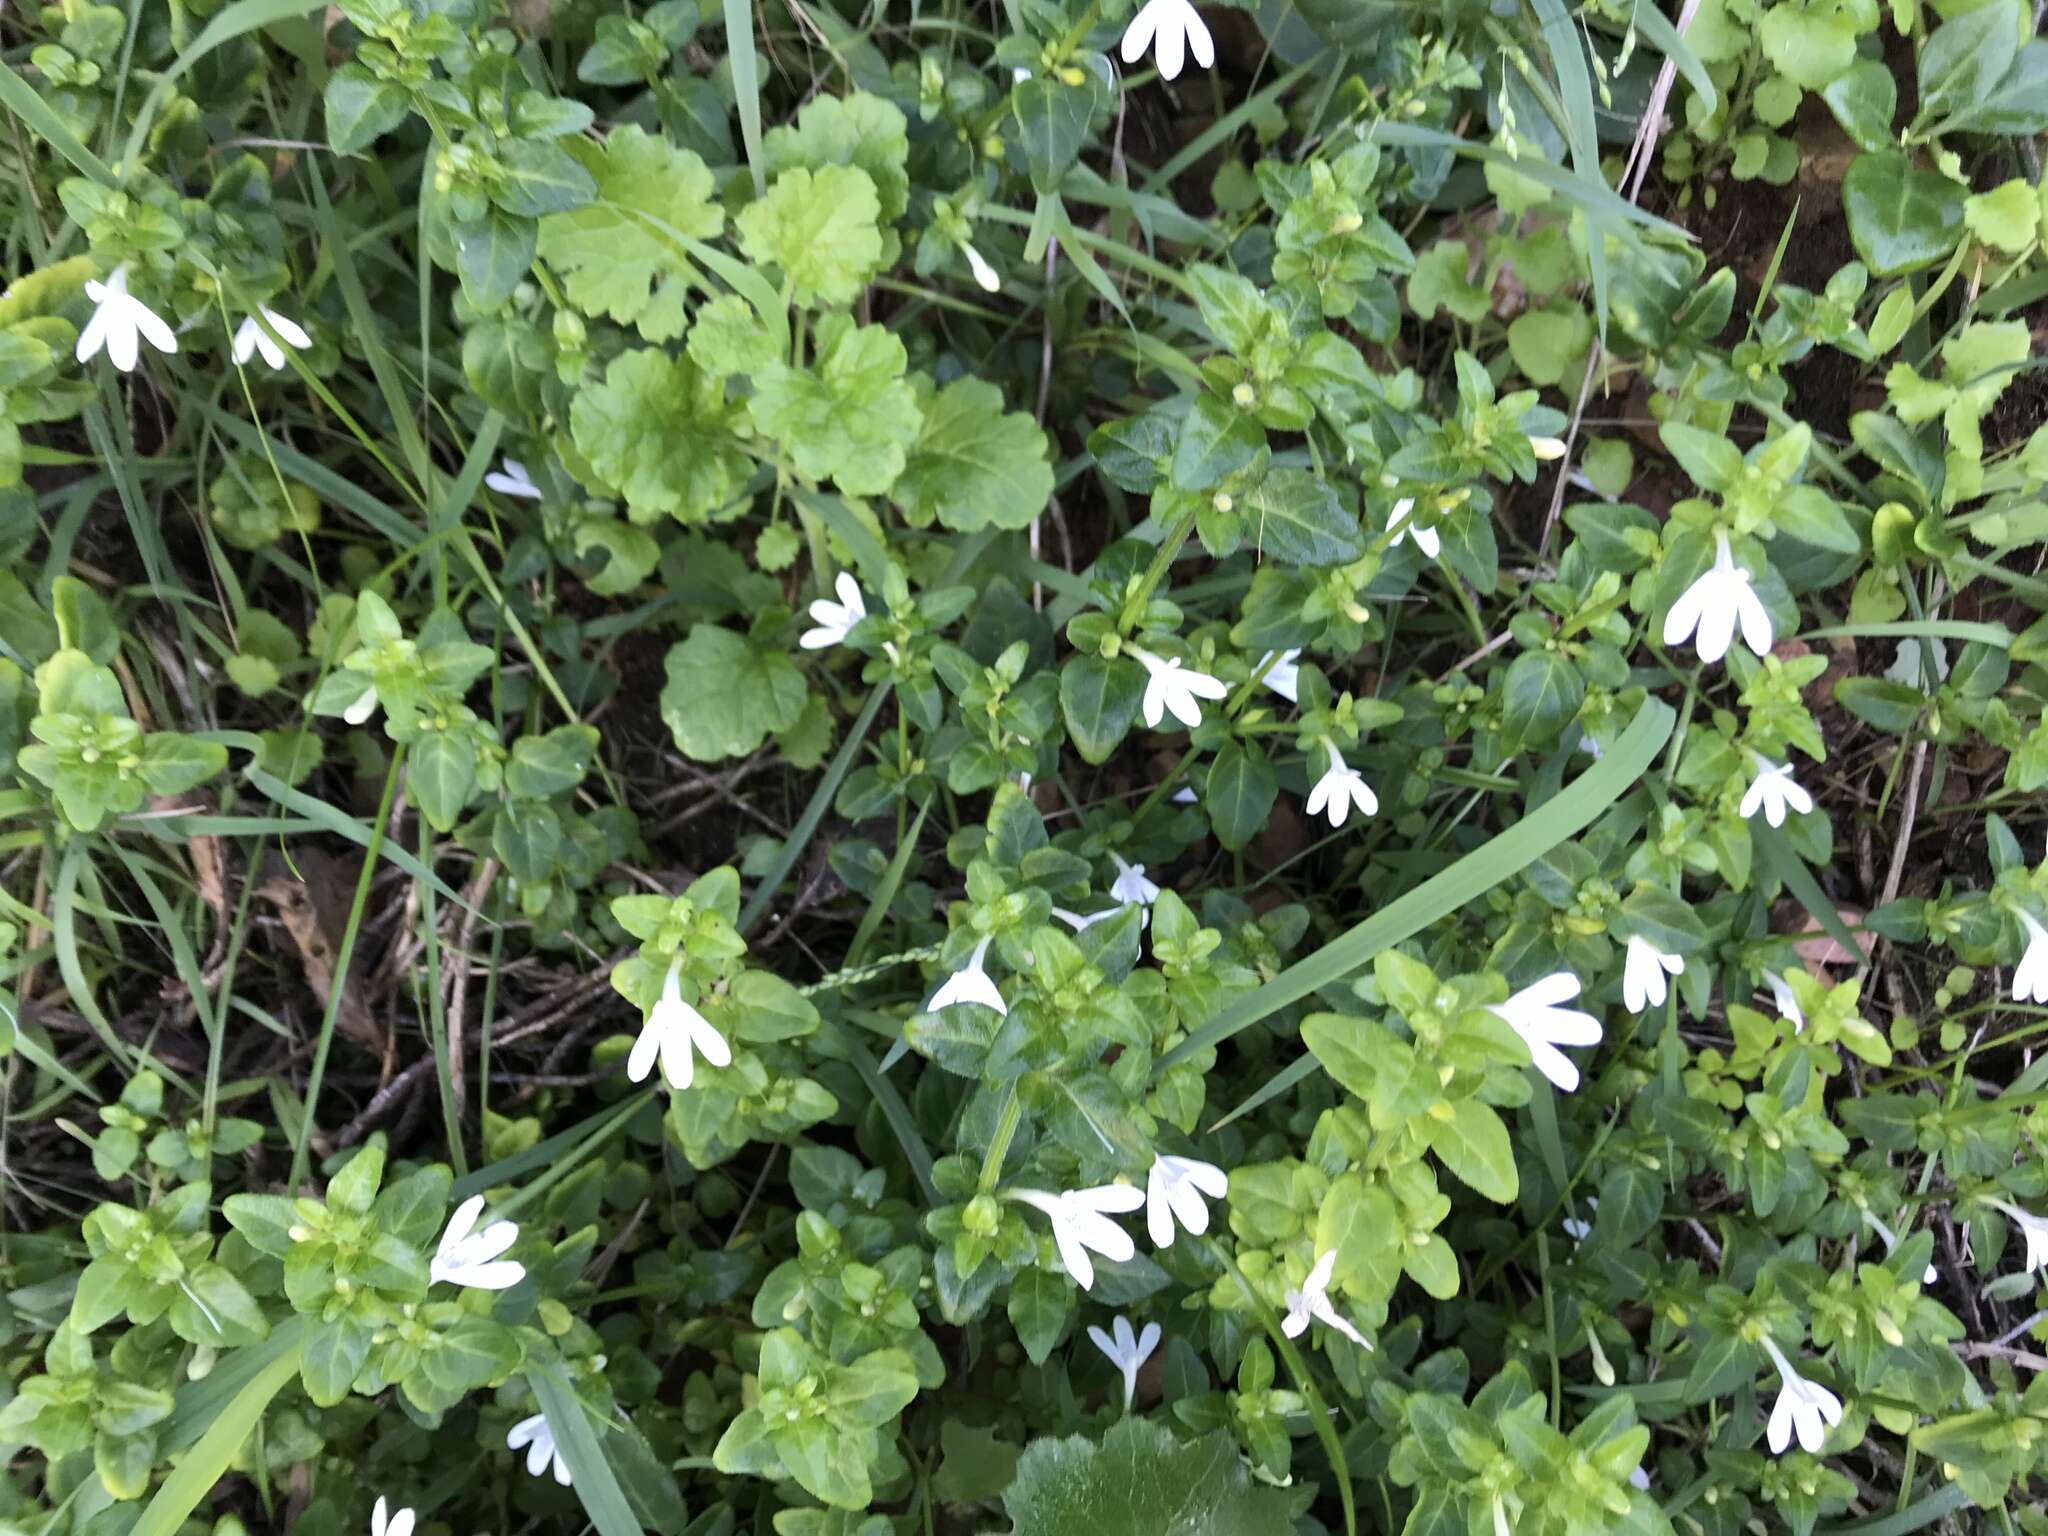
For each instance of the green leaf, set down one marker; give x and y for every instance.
(628, 427)
(2014, 108)
(1864, 99)
(858, 130)
(441, 775)
(821, 229)
(974, 1464)
(1541, 693)
(1040, 1304)
(726, 695)
(493, 254)
(1239, 792)
(1965, 58)
(541, 177)
(1295, 518)
(361, 108)
(1902, 216)
(1052, 124)
(331, 1359)
(1141, 1481)
(1359, 1221)
(1473, 1144)
(1100, 699)
(1345, 1047)
(618, 257)
(1810, 43)
(851, 419)
(974, 465)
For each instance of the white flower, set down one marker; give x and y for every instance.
(1172, 30)
(1426, 539)
(1174, 1191)
(1639, 1479)
(251, 339)
(1802, 1405)
(1339, 789)
(2034, 1229)
(118, 321)
(1171, 689)
(1127, 1351)
(364, 706)
(539, 1441)
(1891, 1244)
(1713, 604)
(1547, 448)
(1130, 885)
(2030, 976)
(834, 619)
(1080, 1221)
(1313, 1301)
(1081, 922)
(469, 1257)
(1185, 795)
(384, 1523)
(672, 1028)
(969, 984)
(984, 274)
(511, 479)
(1534, 1014)
(1784, 1001)
(1279, 673)
(1911, 664)
(1578, 1229)
(1774, 791)
(1642, 974)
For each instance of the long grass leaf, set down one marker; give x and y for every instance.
(205, 1464)
(745, 64)
(23, 100)
(590, 1470)
(1464, 882)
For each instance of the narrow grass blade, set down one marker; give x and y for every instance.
(542, 1153)
(897, 1113)
(1918, 1516)
(242, 16)
(1463, 883)
(1782, 861)
(746, 84)
(22, 99)
(205, 1464)
(807, 824)
(1922, 629)
(590, 1470)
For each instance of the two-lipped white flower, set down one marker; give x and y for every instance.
(1127, 1351)
(1803, 1406)
(969, 984)
(1130, 887)
(1081, 922)
(1174, 1191)
(539, 1440)
(1891, 1243)
(835, 620)
(1428, 540)
(466, 1256)
(672, 1030)
(1547, 448)
(1080, 1222)
(362, 706)
(2033, 1228)
(1279, 673)
(1579, 1228)
(1535, 1013)
(1643, 972)
(2030, 976)
(384, 1523)
(251, 338)
(1714, 604)
(118, 322)
(1339, 789)
(1784, 1000)
(1172, 30)
(1172, 689)
(1312, 1302)
(977, 263)
(511, 479)
(1774, 792)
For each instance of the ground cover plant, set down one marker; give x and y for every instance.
(1039, 767)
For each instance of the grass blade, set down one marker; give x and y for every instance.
(242, 16)
(1780, 859)
(807, 824)
(746, 84)
(590, 1470)
(203, 1466)
(22, 99)
(1464, 882)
